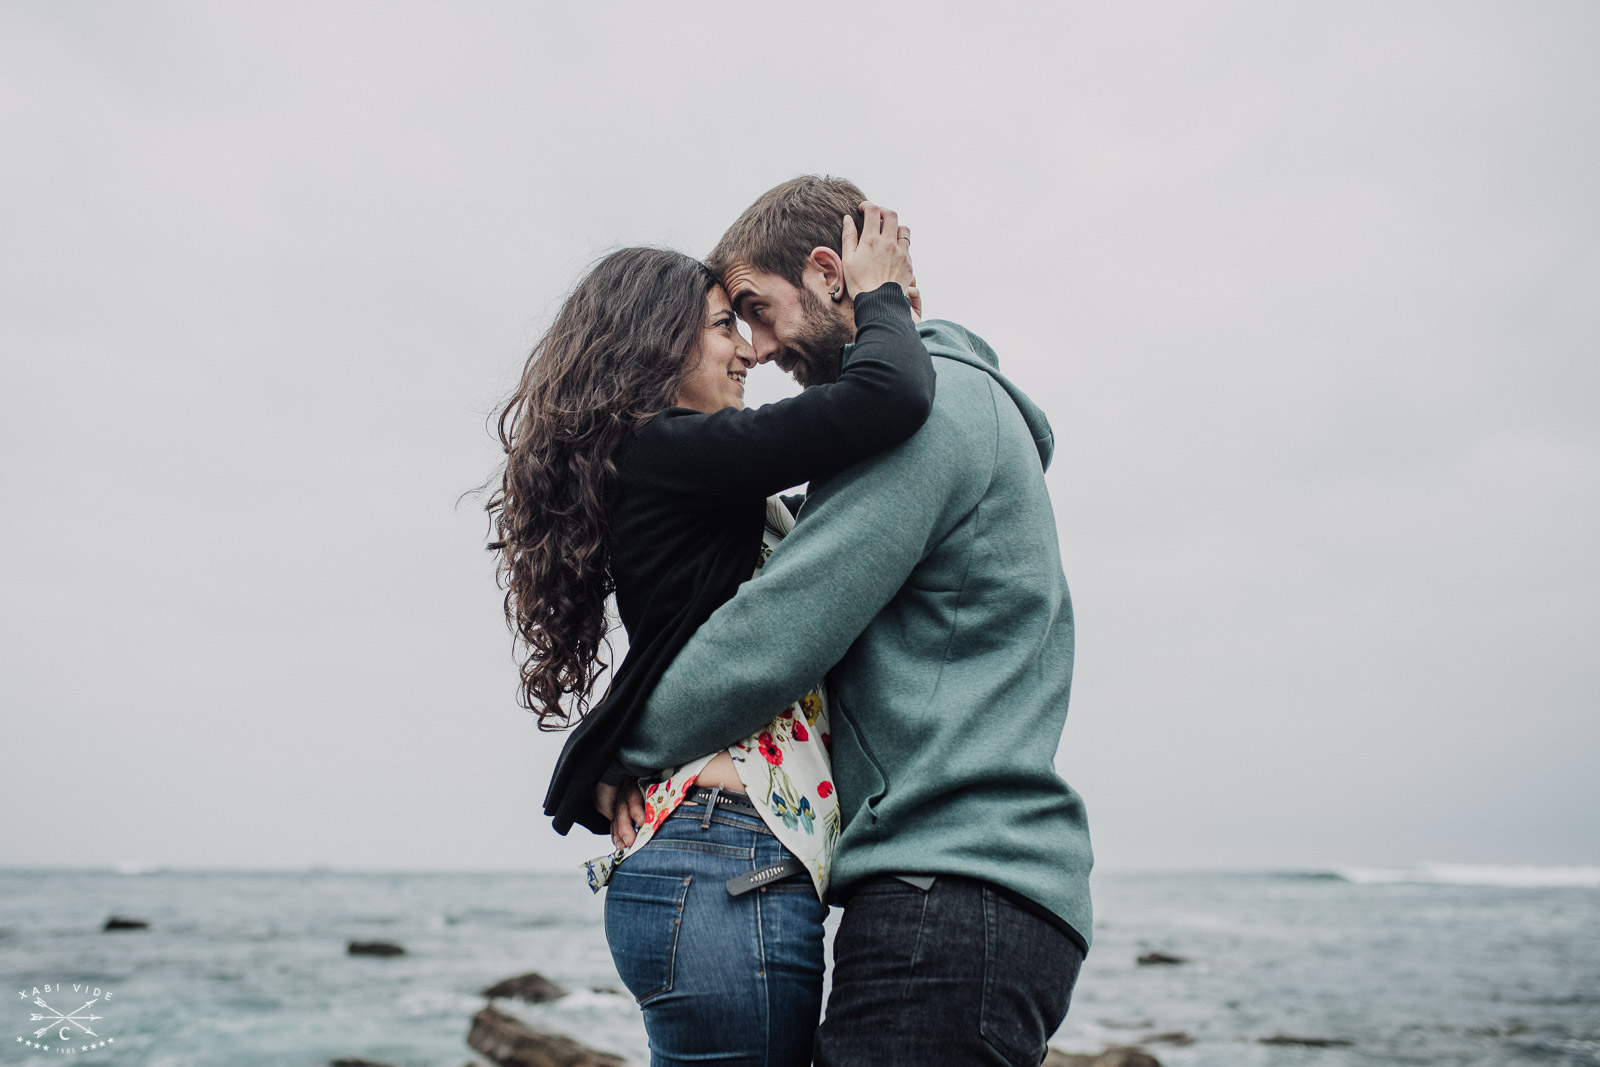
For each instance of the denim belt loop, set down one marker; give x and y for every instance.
(711, 807)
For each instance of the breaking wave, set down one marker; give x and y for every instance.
(1509, 877)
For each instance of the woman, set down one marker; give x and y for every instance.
(633, 467)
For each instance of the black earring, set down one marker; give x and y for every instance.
(834, 292)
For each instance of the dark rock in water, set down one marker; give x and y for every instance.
(609, 990)
(1150, 958)
(375, 948)
(356, 1061)
(1126, 1057)
(1056, 1058)
(1171, 1037)
(1308, 1042)
(1115, 1056)
(117, 922)
(510, 1042)
(533, 987)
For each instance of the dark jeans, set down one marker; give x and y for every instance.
(954, 975)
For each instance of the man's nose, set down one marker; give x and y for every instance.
(766, 349)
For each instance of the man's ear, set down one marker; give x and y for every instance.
(827, 262)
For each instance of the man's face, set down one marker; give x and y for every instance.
(791, 325)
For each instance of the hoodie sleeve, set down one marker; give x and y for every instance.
(862, 534)
(881, 398)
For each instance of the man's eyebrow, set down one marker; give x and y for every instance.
(739, 299)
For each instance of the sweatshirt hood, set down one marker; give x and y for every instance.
(944, 338)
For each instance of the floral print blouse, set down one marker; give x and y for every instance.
(784, 767)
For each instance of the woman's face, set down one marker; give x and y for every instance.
(720, 360)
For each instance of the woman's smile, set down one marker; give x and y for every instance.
(704, 387)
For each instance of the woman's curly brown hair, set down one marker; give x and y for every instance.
(614, 357)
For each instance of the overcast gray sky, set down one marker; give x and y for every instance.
(1309, 291)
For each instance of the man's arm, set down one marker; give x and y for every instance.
(863, 534)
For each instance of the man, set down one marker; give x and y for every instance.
(927, 585)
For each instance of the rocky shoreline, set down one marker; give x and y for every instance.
(508, 1041)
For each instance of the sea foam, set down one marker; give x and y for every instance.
(1464, 874)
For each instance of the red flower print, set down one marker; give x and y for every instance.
(769, 750)
(800, 733)
(652, 790)
(827, 742)
(824, 789)
(787, 713)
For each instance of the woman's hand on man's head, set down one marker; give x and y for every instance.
(879, 255)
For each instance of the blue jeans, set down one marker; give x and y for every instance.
(955, 974)
(725, 980)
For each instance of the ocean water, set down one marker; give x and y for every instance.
(1443, 965)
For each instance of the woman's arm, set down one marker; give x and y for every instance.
(882, 397)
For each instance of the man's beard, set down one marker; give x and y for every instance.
(814, 356)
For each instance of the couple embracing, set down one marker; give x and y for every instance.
(849, 697)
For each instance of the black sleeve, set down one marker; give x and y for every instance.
(882, 397)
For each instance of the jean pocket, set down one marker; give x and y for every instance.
(886, 885)
(1029, 969)
(644, 913)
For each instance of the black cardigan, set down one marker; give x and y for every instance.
(688, 509)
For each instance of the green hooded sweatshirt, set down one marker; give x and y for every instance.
(926, 584)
